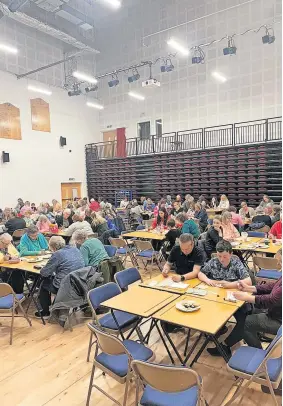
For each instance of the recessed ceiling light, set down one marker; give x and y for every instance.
(95, 105)
(84, 77)
(136, 96)
(176, 45)
(219, 77)
(39, 90)
(8, 48)
(114, 3)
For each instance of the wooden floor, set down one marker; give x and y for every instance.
(47, 366)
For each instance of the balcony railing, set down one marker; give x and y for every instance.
(248, 132)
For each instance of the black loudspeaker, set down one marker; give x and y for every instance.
(5, 157)
(63, 141)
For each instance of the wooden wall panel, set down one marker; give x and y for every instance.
(40, 115)
(10, 123)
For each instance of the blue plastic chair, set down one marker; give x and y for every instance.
(167, 385)
(145, 251)
(125, 320)
(111, 251)
(122, 249)
(115, 359)
(140, 227)
(9, 301)
(266, 268)
(259, 366)
(257, 234)
(127, 277)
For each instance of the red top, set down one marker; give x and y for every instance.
(94, 206)
(161, 224)
(276, 229)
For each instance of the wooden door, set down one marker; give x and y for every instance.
(110, 138)
(69, 191)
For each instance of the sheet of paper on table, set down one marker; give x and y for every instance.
(169, 283)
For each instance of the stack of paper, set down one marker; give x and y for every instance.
(169, 283)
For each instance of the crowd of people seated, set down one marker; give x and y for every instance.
(184, 222)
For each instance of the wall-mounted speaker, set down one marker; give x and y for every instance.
(63, 141)
(5, 157)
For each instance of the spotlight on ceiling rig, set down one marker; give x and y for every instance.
(269, 36)
(231, 48)
(168, 66)
(135, 76)
(198, 56)
(91, 89)
(76, 91)
(114, 82)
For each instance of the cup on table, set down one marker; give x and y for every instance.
(244, 235)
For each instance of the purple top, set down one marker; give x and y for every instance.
(269, 296)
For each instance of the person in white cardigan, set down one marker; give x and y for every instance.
(78, 224)
(224, 203)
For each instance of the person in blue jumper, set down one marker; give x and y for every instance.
(188, 226)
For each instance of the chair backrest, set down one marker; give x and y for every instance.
(256, 234)
(148, 223)
(166, 378)
(275, 339)
(111, 251)
(19, 233)
(108, 343)
(127, 277)
(98, 295)
(140, 227)
(142, 245)
(5, 289)
(274, 350)
(118, 242)
(265, 263)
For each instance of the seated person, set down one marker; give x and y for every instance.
(78, 224)
(170, 237)
(88, 217)
(161, 219)
(7, 249)
(28, 220)
(246, 212)
(187, 259)
(24, 208)
(265, 201)
(224, 203)
(14, 223)
(168, 202)
(262, 217)
(64, 260)
(92, 249)
(276, 213)
(188, 226)
(94, 205)
(124, 203)
(43, 224)
(230, 233)
(226, 270)
(99, 224)
(56, 207)
(65, 219)
(276, 230)
(236, 218)
(177, 208)
(148, 205)
(201, 216)
(213, 236)
(32, 243)
(267, 312)
(189, 204)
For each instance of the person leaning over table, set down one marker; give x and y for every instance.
(226, 270)
(7, 249)
(65, 219)
(9, 252)
(64, 260)
(246, 212)
(187, 259)
(32, 243)
(265, 317)
(230, 232)
(188, 226)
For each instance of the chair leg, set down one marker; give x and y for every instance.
(187, 342)
(126, 390)
(239, 390)
(12, 324)
(89, 347)
(25, 314)
(90, 385)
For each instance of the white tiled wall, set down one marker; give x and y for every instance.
(189, 97)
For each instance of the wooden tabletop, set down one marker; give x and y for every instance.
(159, 278)
(140, 301)
(23, 265)
(149, 235)
(216, 295)
(216, 210)
(208, 319)
(272, 248)
(61, 233)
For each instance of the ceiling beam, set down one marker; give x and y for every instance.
(76, 13)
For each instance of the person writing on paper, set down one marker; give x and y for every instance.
(7, 249)
(225, 270)
(187, 259)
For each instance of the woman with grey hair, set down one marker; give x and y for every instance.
(32, 243)
(64, 260)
